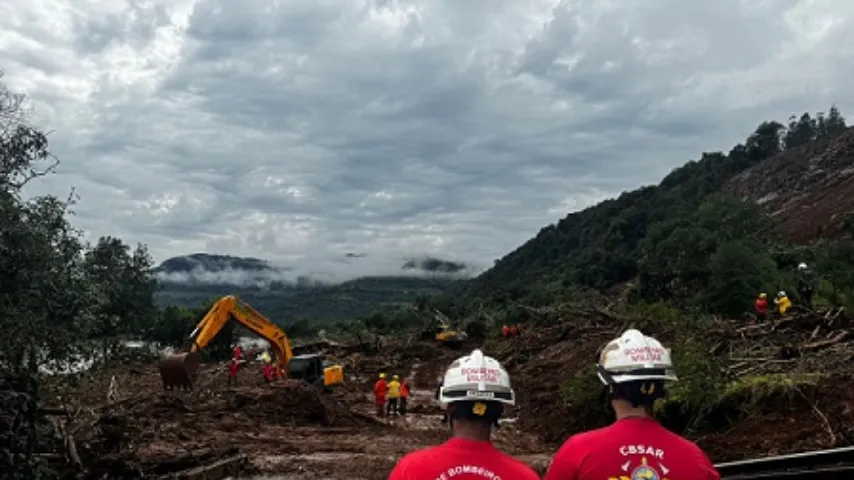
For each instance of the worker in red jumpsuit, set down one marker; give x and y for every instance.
(380, 391)
(268, 369)
(760, 307)
(233, 366)
(634, 369)
(474, 408)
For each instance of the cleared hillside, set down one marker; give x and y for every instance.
(810, 190)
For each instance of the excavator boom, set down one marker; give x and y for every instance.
(181, 370)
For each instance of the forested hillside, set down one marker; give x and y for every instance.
(687, 239)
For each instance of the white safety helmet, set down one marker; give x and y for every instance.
(634, 357)
(781, 294)
(802, 266)
(476, 377)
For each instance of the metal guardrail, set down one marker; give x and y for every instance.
(829, 464)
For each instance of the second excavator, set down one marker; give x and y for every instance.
(181, 370)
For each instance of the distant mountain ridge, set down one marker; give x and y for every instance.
(213, 263)
(286, 295)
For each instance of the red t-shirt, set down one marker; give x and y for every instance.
(635, 447)
(461, 459)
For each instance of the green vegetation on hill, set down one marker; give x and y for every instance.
(681, 241)
(316, 304)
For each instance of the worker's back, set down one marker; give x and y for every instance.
(463, 459)
(394, 389)
(635, 447)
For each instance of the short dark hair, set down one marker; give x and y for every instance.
(640, 393)
(477, 411)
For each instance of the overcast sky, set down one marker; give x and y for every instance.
(303, 129)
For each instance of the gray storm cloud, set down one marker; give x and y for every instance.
(301, 130)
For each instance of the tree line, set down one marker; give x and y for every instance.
(681, 241)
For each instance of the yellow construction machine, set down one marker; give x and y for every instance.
(181, 370)
(443, 331)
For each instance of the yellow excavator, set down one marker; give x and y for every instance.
(181, 370)
(443, 331)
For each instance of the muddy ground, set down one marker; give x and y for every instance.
(287, 429)
(291, 431)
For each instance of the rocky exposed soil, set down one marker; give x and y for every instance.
(809, 189)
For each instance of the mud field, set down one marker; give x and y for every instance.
(124, 426)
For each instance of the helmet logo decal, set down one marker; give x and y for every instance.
(481, 374)
(644, 354)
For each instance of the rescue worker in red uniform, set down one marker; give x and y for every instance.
(380, 391)
(404, 396)
(233, 366)
(475, 390)
(760, 307)
(633, 368)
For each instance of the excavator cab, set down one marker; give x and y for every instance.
(314, 369)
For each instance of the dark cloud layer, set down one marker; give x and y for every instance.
(304, 129)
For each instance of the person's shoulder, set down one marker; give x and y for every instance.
(521, 470)
(411, 462)
(584, 438)
(688, 447)
(420, 456)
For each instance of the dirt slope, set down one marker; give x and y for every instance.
(810, 189)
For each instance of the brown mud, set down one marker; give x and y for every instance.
(289, 430)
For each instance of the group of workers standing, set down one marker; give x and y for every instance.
(391, 397)
(269, 370)
(633, 368)
(782, 302)
(508, 331)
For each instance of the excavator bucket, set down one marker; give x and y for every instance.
(180, 371)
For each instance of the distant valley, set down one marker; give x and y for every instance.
(285, 295)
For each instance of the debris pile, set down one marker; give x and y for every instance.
(793, 365)
(122, 425)
(147, 432)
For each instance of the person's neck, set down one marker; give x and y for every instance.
(623, 409)
(472, 431)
